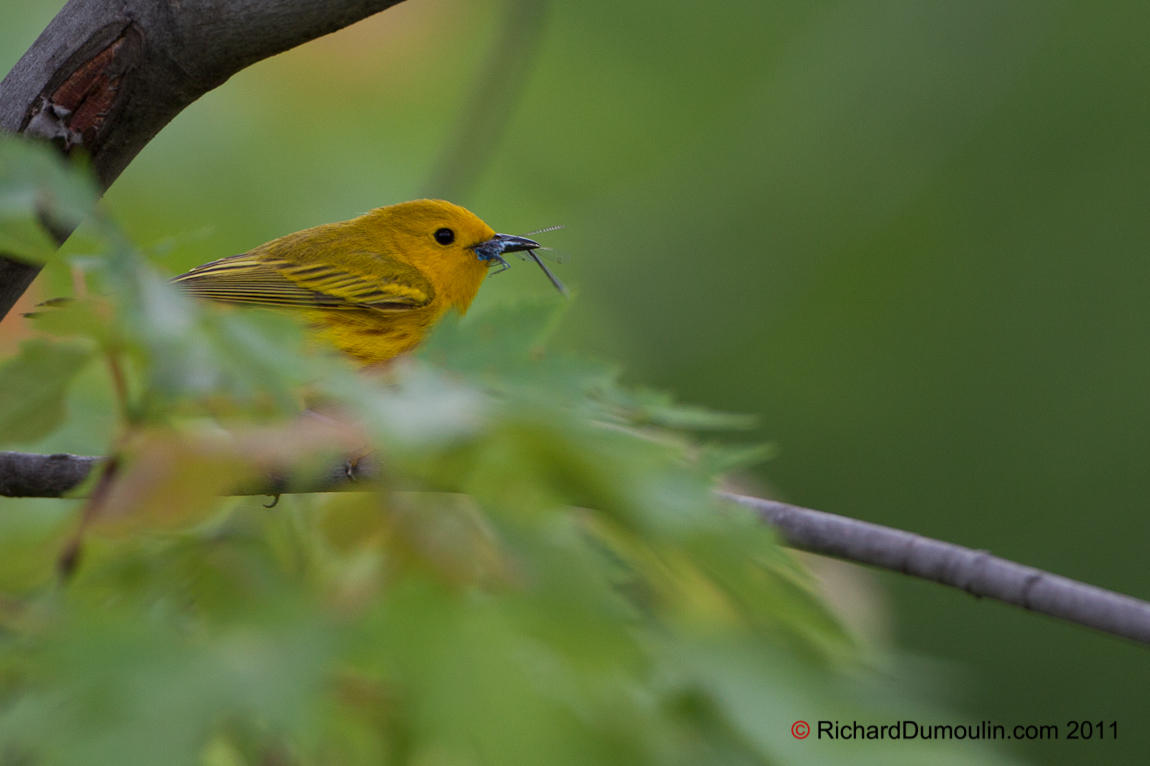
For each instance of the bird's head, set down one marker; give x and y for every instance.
(448, 235)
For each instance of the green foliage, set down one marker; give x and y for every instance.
(32, 388)
(541, 574)
(35, 189)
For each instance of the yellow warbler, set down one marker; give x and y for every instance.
(371, 286)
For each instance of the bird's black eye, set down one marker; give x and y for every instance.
(444, 236)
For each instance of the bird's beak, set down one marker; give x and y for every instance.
(493, 249)
(503, 243)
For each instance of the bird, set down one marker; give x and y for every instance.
(372, 286)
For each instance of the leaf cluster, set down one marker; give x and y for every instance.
(538, 573)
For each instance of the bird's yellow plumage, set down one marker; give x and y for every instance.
(371, 286)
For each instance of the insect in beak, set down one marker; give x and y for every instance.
(493, 249)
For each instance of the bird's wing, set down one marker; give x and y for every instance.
(271, 281)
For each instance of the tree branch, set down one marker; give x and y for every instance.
(107, 76)
(977, 572)
(24, 474)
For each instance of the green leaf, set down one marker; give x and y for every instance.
(24, 237)
(503, 339)
(64, 317)
(38, 190)
(720, 459)
(32, 388)
(643, 406)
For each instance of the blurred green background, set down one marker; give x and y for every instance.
(911, 236)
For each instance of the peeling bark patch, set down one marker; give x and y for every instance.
(50, 121)
(76, 110)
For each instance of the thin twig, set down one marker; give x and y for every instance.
(70, 556)
(120, 385)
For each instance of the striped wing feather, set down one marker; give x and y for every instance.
(271, 281)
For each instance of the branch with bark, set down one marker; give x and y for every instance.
(106, 77)
(26, 474)
(976, 572)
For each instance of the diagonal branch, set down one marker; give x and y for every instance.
(107, 76)
(977, 572)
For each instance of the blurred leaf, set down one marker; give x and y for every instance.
(166, 481)
(721, 459)
(503, 349)
(38, 185)
(142, 694)
(70, 317)
(25, 238)
(643, 406)
(501, 341)
(32, 532)
(32, 388)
